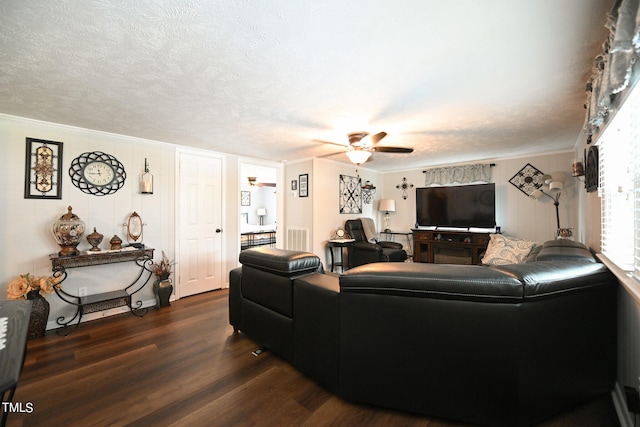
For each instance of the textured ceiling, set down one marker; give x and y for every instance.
(457, 80)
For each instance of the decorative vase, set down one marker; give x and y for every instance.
(116, 243)
(163, 288)
(39, 315)
(94, 240)
(67, 231)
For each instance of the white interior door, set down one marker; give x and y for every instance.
(200, 224)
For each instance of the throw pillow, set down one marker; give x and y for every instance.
(507, 250)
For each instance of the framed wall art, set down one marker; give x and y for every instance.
(43, 169)
(245, 198)
(303, 186)
(350, 195)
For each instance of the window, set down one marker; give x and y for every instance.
(619, 189)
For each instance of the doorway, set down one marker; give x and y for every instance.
(258, 205)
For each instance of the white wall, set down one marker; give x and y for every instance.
(320, 213)
(516, 214)
(25, 223)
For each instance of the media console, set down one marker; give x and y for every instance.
(449, 247)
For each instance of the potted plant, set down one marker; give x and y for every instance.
(162, 288)
(33, 288)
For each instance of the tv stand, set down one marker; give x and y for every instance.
(449, 246)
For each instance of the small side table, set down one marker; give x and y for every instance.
(341, 244)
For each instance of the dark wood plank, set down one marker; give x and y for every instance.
(183, 366)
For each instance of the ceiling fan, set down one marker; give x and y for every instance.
(253, 182)
(361, 146)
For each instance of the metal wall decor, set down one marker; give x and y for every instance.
(43, 169)
(350, 195)
(527, 179)
(404, 185)
(368, 190)
(97, 173)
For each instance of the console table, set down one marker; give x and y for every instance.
(14, 323)
(85, 304)
(449, 247)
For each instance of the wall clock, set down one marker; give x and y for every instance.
(592, 171)
(97, 173)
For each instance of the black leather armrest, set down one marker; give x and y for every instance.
(391, 245)
(366, 246)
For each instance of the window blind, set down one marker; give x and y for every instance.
(619, 186)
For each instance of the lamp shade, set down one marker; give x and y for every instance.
(555, 185)
(261, 211)
(536, 194)
(358, 156)
(387, 205)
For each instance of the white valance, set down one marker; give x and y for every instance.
(458, 174)
(612, 70)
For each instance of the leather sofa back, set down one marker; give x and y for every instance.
(418, 280)
(561, 250)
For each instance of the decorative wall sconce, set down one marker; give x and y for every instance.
(578, 169)
(386, 206)
(404, 186)
(146, 180)
(368, 190)
(261, 212)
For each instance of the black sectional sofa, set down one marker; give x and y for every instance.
(506, 345)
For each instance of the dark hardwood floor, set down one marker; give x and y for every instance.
(183, 366)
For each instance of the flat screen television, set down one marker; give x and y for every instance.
(462, 206)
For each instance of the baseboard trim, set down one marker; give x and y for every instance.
(620, 403)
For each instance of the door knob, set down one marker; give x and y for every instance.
(218, 230)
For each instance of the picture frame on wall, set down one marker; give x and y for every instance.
(303, 187)
(245, 198)
(43, 169)
(294, 185)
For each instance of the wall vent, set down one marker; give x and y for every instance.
(298, 239)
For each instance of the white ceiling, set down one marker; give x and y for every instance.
(457, 80)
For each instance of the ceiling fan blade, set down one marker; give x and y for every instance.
(381, 149)
(330, 142)
(266, 184)
(377, 137)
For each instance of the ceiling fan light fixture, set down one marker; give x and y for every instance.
(358, 156)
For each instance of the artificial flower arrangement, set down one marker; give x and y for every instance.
(25, 283)
(163, 268)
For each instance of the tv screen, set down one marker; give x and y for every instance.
(460, 206)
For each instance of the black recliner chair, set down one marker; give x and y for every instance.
(364, 252)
